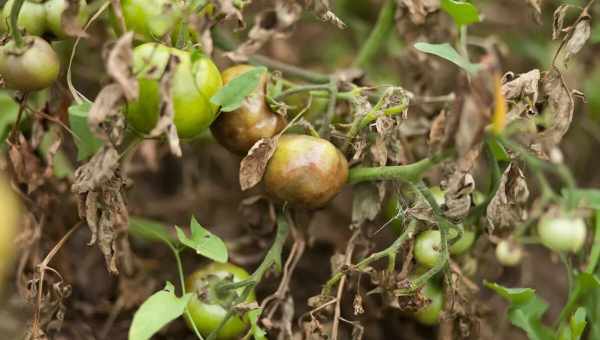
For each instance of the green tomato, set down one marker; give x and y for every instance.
(305, 171)
(9, 210)
(463, 244)
(390, 211)
(430, 314)
(428, 245)
(32, 17)
(54, 12)
(240, 129)
(31, 67)
(195, 81)
(207, 308)
(563, 233)
(150, 19)
(508, 253)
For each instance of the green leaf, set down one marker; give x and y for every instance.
(462, 12)
(577, 323)
(257, 332)
(231, 96)
(448, 52)
(87, 143)
(203, 242)
(525, 311)
(10, 111)
(156, 312)
(593, 310)
(150, 230)
(498, 149)
(589, 198)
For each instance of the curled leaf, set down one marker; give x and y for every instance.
(253, 166)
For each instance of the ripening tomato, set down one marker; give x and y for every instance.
(195, 81)
(238, 130)
(208, 308)
(305, 171)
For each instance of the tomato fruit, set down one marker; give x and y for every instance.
(562, 233)
(428, 245)
(208, 308)
(150, 19)
(31, 67)
(54, 12)
(305, 171)
(9, 210)
(429, 315)
(194, 82)
(238, 130)
(509, 253)
(32, 17)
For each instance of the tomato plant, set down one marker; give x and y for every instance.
(31, 67)
(195, 80)
(240, 129)
(306, 171)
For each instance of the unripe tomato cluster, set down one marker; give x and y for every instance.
(194, 82)
(43, 17)
(208, 307)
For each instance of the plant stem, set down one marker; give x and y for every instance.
(384, 24)
(14, 18)
(389, 251)
(274, 252)
(333, 90)
(408, 173)
(302, 88)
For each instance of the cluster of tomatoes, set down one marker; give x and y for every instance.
(304, 170)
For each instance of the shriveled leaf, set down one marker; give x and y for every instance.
(322, 9)
(458, 194)
(119, 66)
(578, 38)
(166, 123)
(271, 23)
(366, 202)
(537, 7)
(105, 118)
(418, 9)
(160, 309)
(522, 93)
(252, 167)
(561, 106)
(506, 210)
(463, 13)
(28, 168)
(448, 52)
(231, 96)
(559, 20)
(87, 143)
(203, 242)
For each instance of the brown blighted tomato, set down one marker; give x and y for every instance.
(238, 130)
(305, 171)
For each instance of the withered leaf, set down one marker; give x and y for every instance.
(105, 119)
(166, 122)
(458, 195)
(71, 23)
(418, 9)
(561, 105)
(537, 7)
(559, 20)
(578, 38)
(269, 24)
(119, 66)
(366, 202)
(26, 165)
(522, 93)
(323, 10)
(252, 167)
(505, 211)
(97, 172)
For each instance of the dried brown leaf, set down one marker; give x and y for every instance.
(418, 9)
(105, 118)
(252, 167)
(119, 66)
(166, 122)
(559, 20)
(537, 7)
(458, 195)
(271, 23)
(366, 202)
(577, 39)
(521, 92)
(71, 19)
(505, 211)
(27, 166)
(561, 106)
(322, 9)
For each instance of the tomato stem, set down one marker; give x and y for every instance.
(14, 18)
(383, 26)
